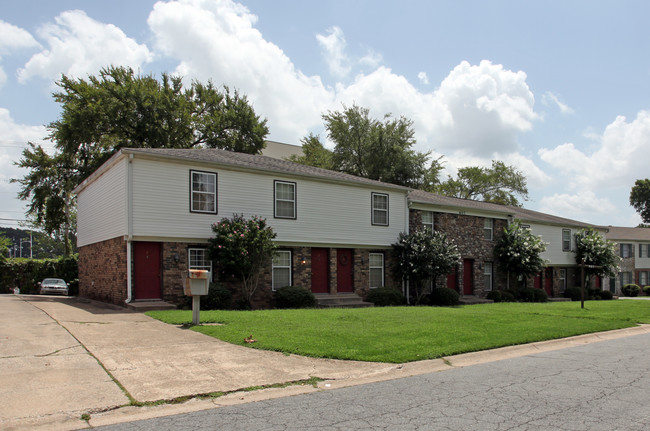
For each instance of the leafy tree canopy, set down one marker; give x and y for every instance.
(640, 199)
(314, 153)
(117, 109)
(599, 254)
(519, 251)
(500, 184)
(4, 248)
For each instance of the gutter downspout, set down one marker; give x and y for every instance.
(129, 221)
(407, 287)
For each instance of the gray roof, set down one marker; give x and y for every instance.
(257, 162)
(506, 210)
(628, 233)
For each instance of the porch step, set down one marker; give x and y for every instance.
(471, 300)
(143, 306)
(341, 300)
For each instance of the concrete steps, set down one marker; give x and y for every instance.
(341, 300)
(143, 306)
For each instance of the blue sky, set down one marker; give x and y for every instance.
(559, 89)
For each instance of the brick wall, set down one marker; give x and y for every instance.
(102, 271)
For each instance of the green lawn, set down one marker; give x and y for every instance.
(403, 334)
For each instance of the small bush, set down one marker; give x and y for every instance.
(494, 295)
(218, 298)
(385, 296)
(573, 293)
(294, 297)
(606, 295)
(507, 296)
(540, 295)
(526, 294)
(630, 290)
(444, 296)
(646, 290)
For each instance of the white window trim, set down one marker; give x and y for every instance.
(192, 192)
(562, 278)
(488, 226)
(386, 210)
(276, 199)
(431, 225)
(274, 266)
(568, 247)
(626, 249)
(490, 276)
(189, 260)
(370, 268)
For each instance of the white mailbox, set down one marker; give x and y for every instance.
(197, 282)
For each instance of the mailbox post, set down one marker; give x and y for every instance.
(196, 285)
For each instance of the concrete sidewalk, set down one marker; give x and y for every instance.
(58, 356)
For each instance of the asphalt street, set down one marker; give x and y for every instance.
(599, 386)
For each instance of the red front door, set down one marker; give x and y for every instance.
(344, 266)
(468, 277)
(146, 272)
(452, 279)
(548, 281)
(319, 266)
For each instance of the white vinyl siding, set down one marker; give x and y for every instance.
(282, 269)
(203, 192)
(103, 204)
(487, 276)
(285, 199)
(376, 262)
(566, 239)
(380, 209)
(330, 213)
(488, 228)
(427, 219)
(197, 258)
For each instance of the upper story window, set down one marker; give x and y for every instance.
(281, 269)
(197, 258)
(380, 209)
(203, 189)
(285, 199)
(626, 250)
(644, 250)
(566, 239)
(376, 261)
(488, 228)
(427, 219)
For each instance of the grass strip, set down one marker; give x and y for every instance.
(404, 334)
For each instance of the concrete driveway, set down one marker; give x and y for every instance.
(61, 358)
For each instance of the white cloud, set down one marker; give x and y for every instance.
(581, 206)
(422, 76)
(621, 157)
(550, 99)
(13, 38)
(333, 46)
(79, 45)
(14, 138)
(371, 60)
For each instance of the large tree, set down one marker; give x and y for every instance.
(500, 184)
(598, 254)
(376, 149)
(118, 108)
(519, 251)
(640, 199)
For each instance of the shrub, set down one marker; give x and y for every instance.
(573, 293)
(606, 295)
(494, 295)
(385, 296)
(540, 295)
(507, 296)
(294, 297)
(218, 298)
(444, 296)
(630, 290)
(646, 290)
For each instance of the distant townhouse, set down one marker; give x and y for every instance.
(144, 218)
(633, 244)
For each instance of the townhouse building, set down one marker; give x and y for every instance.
(633, 244)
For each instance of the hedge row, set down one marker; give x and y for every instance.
(26, 273)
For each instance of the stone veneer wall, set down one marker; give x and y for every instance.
(102, 271)
(467, 232)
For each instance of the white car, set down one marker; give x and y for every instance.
(54, 285)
